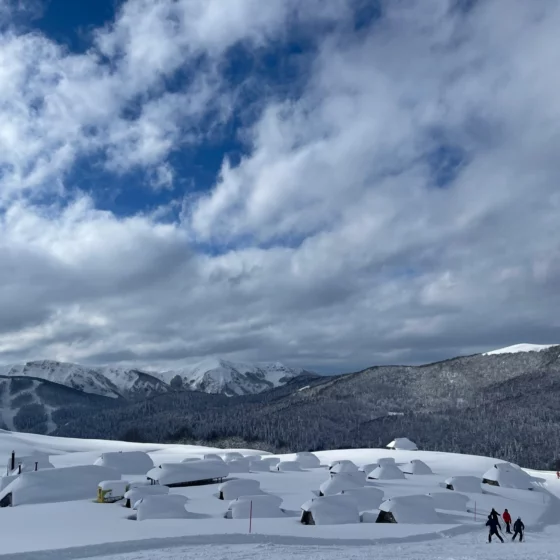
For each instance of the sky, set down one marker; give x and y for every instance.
(330, 184)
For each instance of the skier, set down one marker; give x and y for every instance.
(507, 520)
(495, 515)
(518, 529)
(493, 526)
(557, 474)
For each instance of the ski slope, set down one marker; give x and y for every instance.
(85, 529)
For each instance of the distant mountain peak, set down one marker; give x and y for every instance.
(516, 348)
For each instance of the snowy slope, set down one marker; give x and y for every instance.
(86, 529)
(520, 348)
(215, 375)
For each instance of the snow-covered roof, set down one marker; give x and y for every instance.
(403, 444)
(386, 472)
(520, 348)
(418, 509)
(238, 465)
(27, 463)
(331, 510)
(453, 501)
(186, 473)
(213, 456)
(232, 455)
(115, 485)
(416, 467)
(238, 487)
(386, 461)
(271, 461)
(368, 468)
(288, 466)
(469, 484)
(57, 485)
(126, 462)
(337, 484)
(344, 467)
(134, 494)
(171, 506)
(350, 464)
(259, 466)
(308, 460)
(507, 476)
(263, 506)
(366, 498)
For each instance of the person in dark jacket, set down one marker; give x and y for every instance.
(507, 520)
(495, 515)
(518, 529)
(493, 526)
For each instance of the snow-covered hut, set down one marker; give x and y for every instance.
(134, 494)
(330, 510)
(344, 467)
(288, 466)
(366, 469)
(337, 484)
(463, 483)
(56, 485)
(232, 455)
(263, 506)
(189, 474)
(270, 461)
(386, 461)
(417, 509)
(110, 491)
(403, 444)
(308, 460)
(416, 467)
(190, 459)
(212, 457)
(238, 487)
(238, 465)
(28, 463)
(386, 472)
(453, 501)
(259, 466)
(366, 498)
(126, 462)
(170, 506)
(507, 476)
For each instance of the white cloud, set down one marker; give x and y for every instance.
(338, 246)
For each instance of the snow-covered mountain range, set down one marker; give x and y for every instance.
(211, 376)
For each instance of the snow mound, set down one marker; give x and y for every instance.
(258, 506)
(344, 467)
(337, 484)
(288, 466)
(386, 472)
(366, 498)
(403, 444)
(233, 489)
(453, 501)
(417, 509)
(307, 460)
(135, 494)
(469, 484)
(516, 348)
(416, 466)
(330, 510)
(507, 476)
(171, 506)
(126, 462)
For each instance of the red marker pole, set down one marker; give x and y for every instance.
(250, 515)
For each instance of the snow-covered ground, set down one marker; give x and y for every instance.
(85, 529)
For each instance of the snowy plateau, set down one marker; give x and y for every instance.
(430, 520)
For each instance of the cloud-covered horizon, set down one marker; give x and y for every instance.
(386, 192)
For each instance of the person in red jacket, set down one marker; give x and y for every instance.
(507, 520)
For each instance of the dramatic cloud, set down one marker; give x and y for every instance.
(401, 206)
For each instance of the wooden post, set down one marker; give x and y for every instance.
(250, 516)
(475, 512)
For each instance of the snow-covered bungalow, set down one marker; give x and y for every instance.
(366, 469)
(337, 484)
(259, 466)
(507, 476)
(416, 467)
(402, 444)
(417, 509)
(238, 465)
(288, 466)
(259, 506)
(366, 498)
(238, 487)
(171, 506)
(189, 474)
(453, 501)
(469, 484)
(330, 510)
(308, 460)
(126, 462)
(232, 455)
(344, 467)
(27, 463)
(386, 461)
(56, 485)
(111, 491)
(134, 494)
(212, 457)
(386, 472)
(270, 461)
